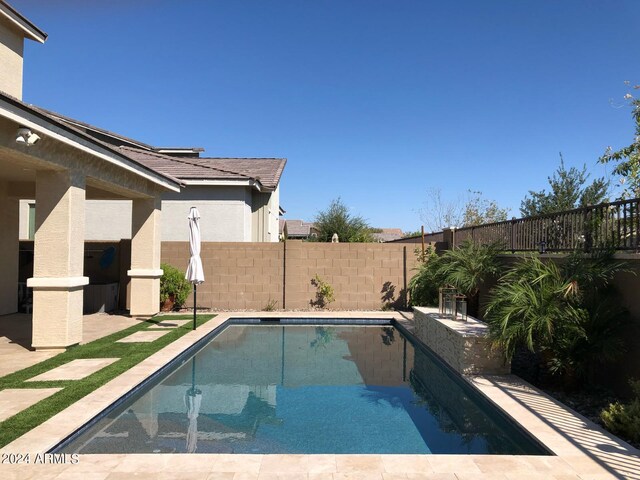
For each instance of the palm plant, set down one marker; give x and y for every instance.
(569, 314)
(467, 268)
(529, 307)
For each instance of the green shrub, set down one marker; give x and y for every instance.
(423, 286)
(173, 283)
(270, 306)
(324, 294)
(624, 419)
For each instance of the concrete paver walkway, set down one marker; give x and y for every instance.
(74, 370)
(143, 336)
(14, 400)
(15, 338)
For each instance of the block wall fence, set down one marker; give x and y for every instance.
(365, 276)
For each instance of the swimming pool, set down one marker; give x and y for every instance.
(290, 387)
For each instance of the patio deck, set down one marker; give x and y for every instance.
(15, 338)
(582, 449)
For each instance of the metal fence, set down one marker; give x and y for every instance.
(607, 225)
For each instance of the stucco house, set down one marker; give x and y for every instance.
(62, 181)
(238, 198)
(61, 167)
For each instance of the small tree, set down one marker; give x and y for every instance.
(569, 189)
(337, 219)
(628, 158)
(479, 210)
(464, 211)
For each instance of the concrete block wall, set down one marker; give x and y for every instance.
(238, 275)
(250, 275)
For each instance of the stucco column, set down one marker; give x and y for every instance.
(145, 270)
(9, 246)
(58, 260)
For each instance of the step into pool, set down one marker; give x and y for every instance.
(271, 388)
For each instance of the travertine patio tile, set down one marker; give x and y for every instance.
(15, 400)
(237, 463)
(184, 462)
(282, 476)
(406, 464)
(73, 475)
(359, 463)
(143, 336)
(142, 475)
(501, 464)
(321, 463)
(394, 476)
(74, 370)
(358, 475)
(431, 476)
(233, 476)
(168, 324)
(147, 463)
(480, 476)
(28, 472)
(320, 476)
(284, 463)
(453, 463)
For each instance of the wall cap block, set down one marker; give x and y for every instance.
(57, 282)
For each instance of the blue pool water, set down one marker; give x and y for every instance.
(307, 389)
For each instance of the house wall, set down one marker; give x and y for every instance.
(273, 234)
(223, 212)
(250, 275)
(11, 52)
(226, 216)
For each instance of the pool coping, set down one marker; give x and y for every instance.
(581, 448)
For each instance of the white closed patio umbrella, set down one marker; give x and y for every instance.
(195, 271)
(192, 401)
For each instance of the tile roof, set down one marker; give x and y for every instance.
(298, 228)
(53, 120)
(265, 170)
(388, 234)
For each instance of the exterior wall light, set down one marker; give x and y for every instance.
(26, 137)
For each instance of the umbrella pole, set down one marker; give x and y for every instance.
(193, 375)
(195, 289)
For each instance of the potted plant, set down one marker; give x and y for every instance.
(174, 288)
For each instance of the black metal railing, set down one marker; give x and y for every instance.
(613, 225)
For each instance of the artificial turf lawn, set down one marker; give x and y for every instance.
(130, 354)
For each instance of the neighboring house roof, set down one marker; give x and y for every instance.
(175, 161)
(29, 29)
(298, 228)
(265, 172)
(388, 234)
(42, 122)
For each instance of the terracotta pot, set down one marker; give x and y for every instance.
(167, 305)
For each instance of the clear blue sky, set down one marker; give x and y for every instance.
(373, 101)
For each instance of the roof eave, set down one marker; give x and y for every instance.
(32, 118)
(227, 182)
(29, 29)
